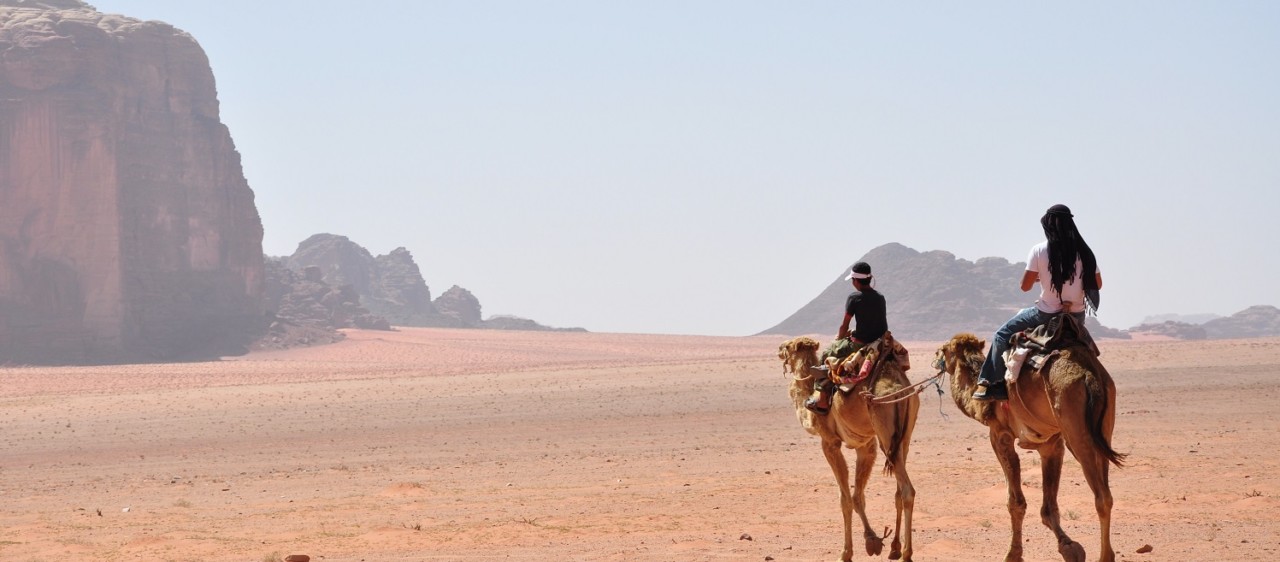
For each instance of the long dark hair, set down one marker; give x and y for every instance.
(1065, 247)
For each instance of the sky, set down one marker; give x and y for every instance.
(709, 167)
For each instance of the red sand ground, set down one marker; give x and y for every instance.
(428, 444)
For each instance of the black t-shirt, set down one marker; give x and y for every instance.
(868, 311)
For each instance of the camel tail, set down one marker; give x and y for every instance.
(1096, 403)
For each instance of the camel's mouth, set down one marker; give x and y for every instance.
(939, 362)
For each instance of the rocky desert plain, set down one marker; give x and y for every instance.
(439, 444)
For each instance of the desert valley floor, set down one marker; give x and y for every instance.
(426, 444)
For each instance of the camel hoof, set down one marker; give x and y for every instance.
(895, 550)
(1071, 551)
(874, 546)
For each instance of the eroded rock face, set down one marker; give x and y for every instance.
(390, 286)
(127, 229)
(303, 310)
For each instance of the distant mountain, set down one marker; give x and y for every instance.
(1183, 318)
(1173, 329)
(1253, 322)
(392, 287)
(930, 295)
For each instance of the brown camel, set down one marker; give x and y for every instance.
(1070, 402)
(857, 423)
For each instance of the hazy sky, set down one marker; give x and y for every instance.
(710, 167)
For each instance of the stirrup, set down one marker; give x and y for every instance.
(811, 404)
(989, 392)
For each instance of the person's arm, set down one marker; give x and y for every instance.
(1098, 276)
(1029, 279)
(844, 327)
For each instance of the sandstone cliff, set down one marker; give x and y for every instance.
(127, 229)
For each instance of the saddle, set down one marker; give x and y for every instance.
(1037, 346)
(858, 367)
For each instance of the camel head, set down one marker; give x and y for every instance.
(797, 354)
(961, 347)
(964, 349)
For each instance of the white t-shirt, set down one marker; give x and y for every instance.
(1072, 291)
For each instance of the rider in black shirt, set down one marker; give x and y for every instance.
(866, 308)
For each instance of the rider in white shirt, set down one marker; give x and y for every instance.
(1067, 272)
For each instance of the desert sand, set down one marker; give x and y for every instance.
(427, 444)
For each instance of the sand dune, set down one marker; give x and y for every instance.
(427, 444)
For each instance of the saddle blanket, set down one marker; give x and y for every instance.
(857, 367)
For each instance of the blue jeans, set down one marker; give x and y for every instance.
(993, 369)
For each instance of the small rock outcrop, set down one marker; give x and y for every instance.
(1172, 329)
(1187, 318)
(1098, 331)
(127, 229)
(460, 306)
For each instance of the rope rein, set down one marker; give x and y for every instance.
(906, 392)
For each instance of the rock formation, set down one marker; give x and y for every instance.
(127, 229)
(391, 286)
(931, 296)
(303, 310)
(399, 292)
(460, 306)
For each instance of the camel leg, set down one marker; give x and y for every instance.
(903, 421)
(835, 458)
(1096, 473)
(1002, 444)
(866, 461)
(1051, 453)
(906, 501)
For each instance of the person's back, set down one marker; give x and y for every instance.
(1072, 293)
(870, 315)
